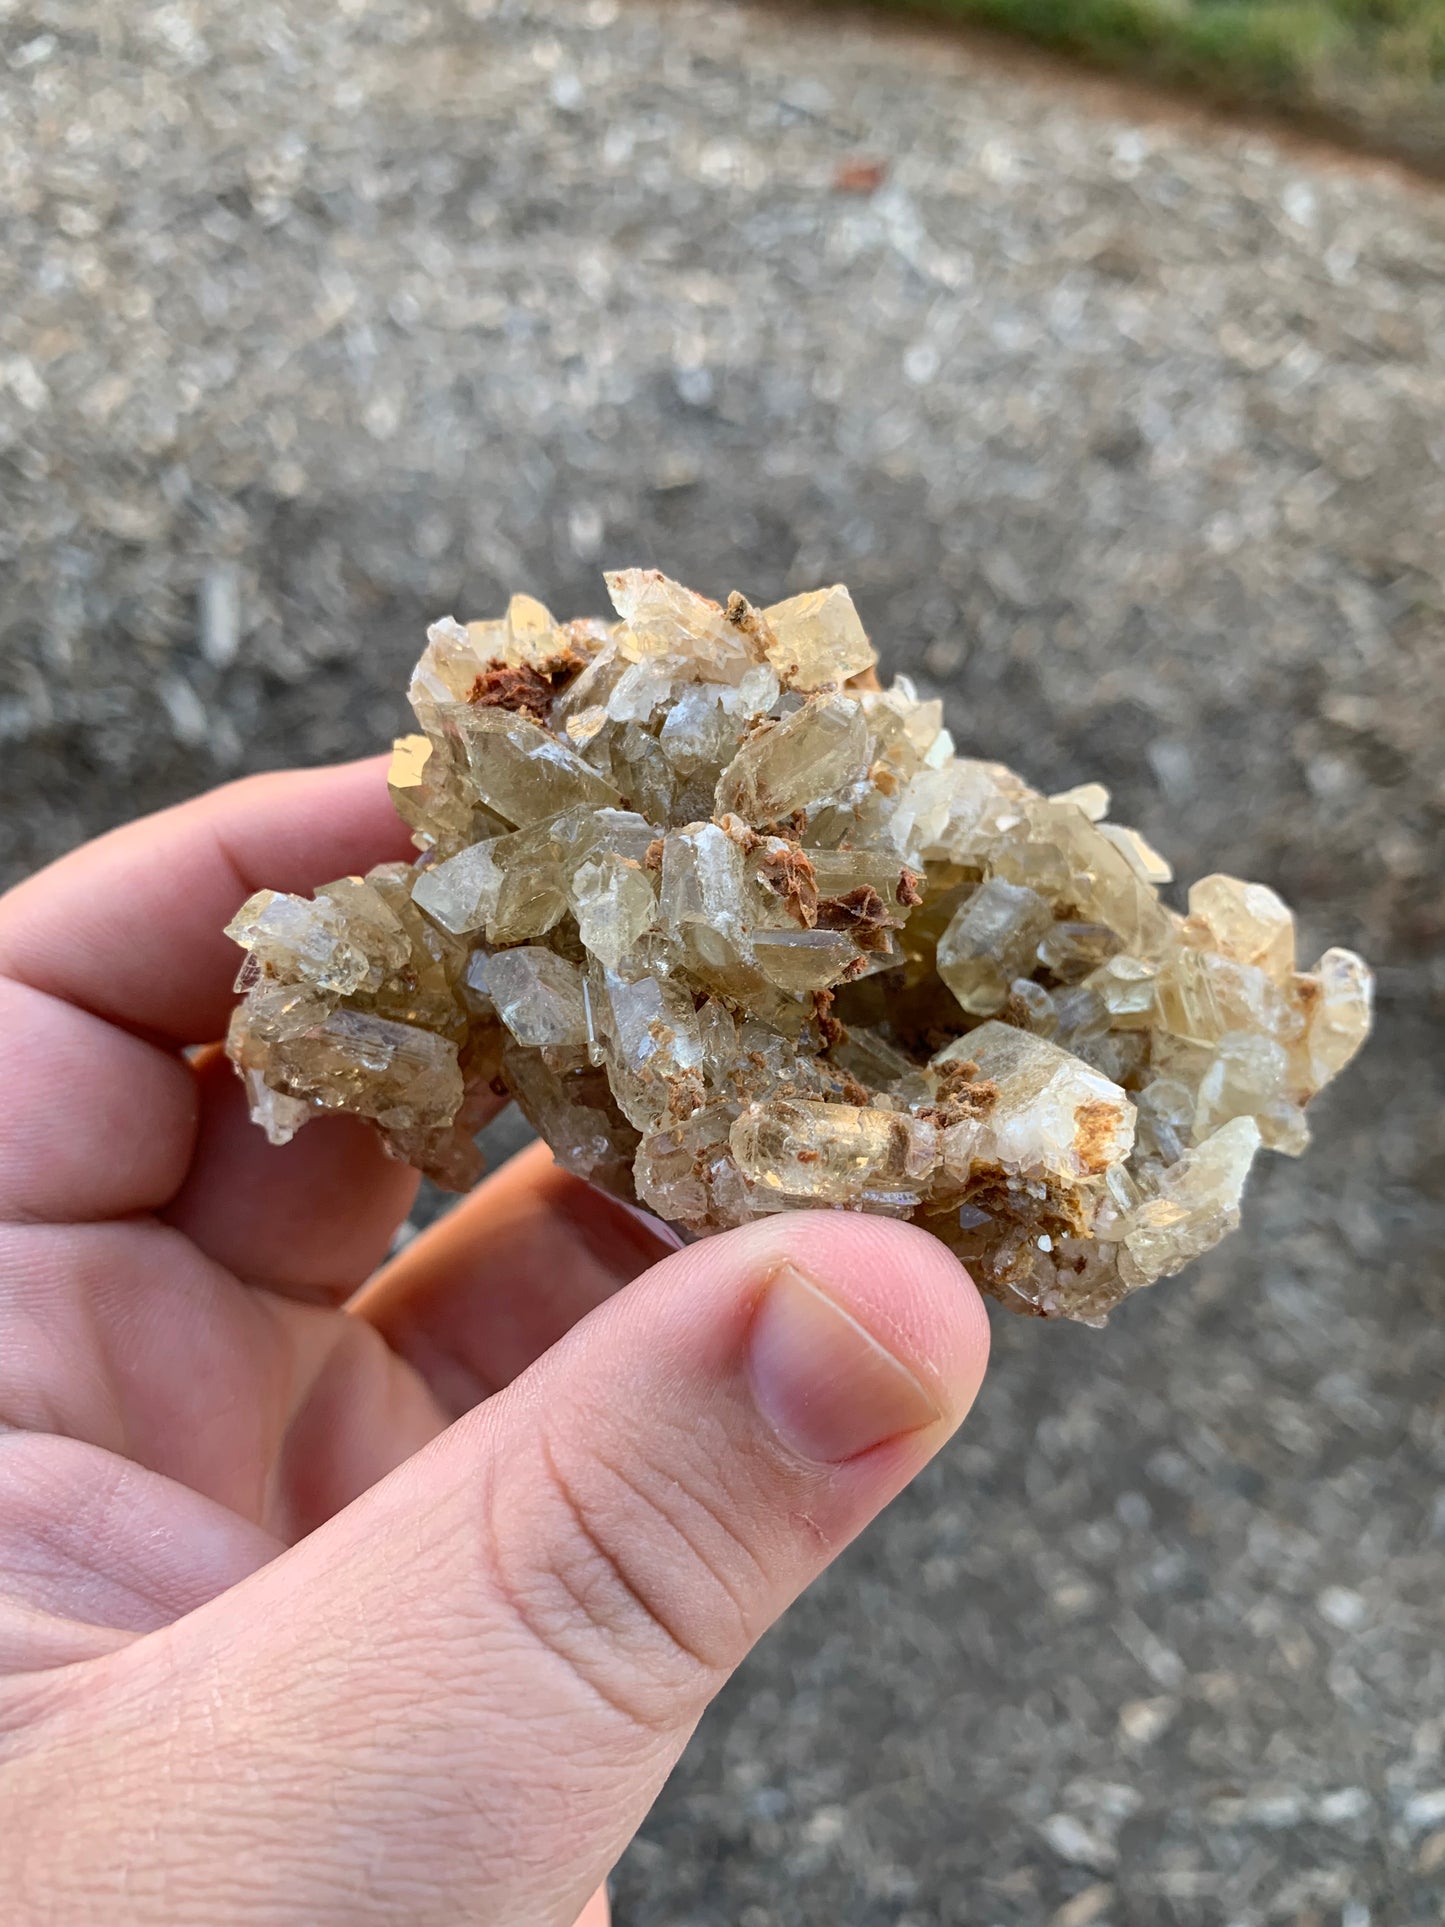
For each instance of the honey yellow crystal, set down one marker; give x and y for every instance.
(740, 933)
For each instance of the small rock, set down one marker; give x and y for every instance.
(1345, 1804)
(1087, 1907)
(1425, 1809)
(1143, 1721)
(1071, 1840)
(220, 615)
(189, 722)
(859, 176)
(1342, 1607)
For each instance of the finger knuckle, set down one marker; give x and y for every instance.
(634, 1577)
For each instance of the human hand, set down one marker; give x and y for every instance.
(326, 1600)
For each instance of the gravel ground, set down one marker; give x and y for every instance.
(1130, 437)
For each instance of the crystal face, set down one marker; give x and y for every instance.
(740, 933)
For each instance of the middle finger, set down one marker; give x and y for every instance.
(471, 1302)
(310, 1219)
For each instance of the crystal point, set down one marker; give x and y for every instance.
(817, 639)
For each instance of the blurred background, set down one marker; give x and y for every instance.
(1125, 422)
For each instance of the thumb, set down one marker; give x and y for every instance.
(457, 1700)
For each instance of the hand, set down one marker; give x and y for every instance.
(326, 1600)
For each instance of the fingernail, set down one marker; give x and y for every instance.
(825, 1385)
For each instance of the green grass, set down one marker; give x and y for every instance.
(1373, 69)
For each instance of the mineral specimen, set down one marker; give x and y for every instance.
(740, 933)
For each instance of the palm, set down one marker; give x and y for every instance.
(181, 1392)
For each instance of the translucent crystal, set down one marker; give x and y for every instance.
(1166, 1108)
(613, 901)
(741, 933)
(803, 960)
(1196, 1205)
(1031, 1007)
(425, 989)
(576, 1114)
(1127, 987)
(538, 996)
(372, 923)
(1142, 857)
(956, 813)
(1091, 798)
(798, 763)
(643, 687)
(300, 941)
(702, 881)
(817, 639)
(516, 886)
(1246, 921)
(524, 773)
(461, 894)
(1341, 1000)
(686, 1174)
(833, 1153)
(444, 676)
(652, 1046)
(530, 632)
(661, 617)
(994, 934)
(1069, 950)
(424, 785)
(1248, 1077)
(347, 1060)
(1050, 1113)
(1201, 994)
(278, 1115)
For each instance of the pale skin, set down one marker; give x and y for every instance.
(341, 1590)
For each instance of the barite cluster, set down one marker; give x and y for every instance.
(740, 933)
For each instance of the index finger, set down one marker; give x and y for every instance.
(130, 927)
